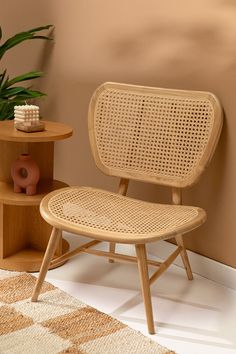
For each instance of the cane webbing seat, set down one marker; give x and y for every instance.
(156, 135)
(102, 214)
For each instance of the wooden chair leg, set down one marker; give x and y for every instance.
(51, 248)
(145, 285)
(112, 248)
(184, 256)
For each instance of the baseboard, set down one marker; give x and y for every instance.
(201, 265)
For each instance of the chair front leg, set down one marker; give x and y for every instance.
(51, 248)
(145, 285)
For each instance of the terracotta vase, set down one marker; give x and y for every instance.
(25, 174)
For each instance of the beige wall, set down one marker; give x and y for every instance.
(184, 44)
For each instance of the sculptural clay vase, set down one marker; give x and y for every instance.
(25, 174)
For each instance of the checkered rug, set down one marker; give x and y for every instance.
(59, 323)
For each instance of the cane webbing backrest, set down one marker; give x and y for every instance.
(158, 135)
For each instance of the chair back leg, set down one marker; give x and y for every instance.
(145, 285)
(112, 249)
(177, 200)
(51, 248)
(184, 256)
(123, 187)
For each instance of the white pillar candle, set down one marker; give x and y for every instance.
(26, 114)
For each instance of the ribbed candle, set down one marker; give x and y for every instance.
(26, 113)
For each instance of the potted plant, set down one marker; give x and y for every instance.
(11, 93)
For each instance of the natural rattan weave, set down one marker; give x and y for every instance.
(102, 214)
(155, 135)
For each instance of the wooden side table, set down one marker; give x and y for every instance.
(23, 232)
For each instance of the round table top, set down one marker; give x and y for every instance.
(53, 131)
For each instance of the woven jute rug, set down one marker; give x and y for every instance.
(59, 323)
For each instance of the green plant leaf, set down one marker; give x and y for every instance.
(24, 77)
(7, 105)
(7, 109)
(13, 91)
(11, 95)
(2, 77)
(37, 29)
(10, 92)
(21, 37)
(29, 96)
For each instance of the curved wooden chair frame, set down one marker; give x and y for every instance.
(156, 135)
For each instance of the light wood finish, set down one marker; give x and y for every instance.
(177, 200)
(9, 197)
(30, 259)
(119, 256)
(145, 285)
(23, 238)
(51, 248)
(165, 264)
(9, 152)
(112, 249)
(123, 187)
(184, 256)
(149, 134)
(85, 249)
(135, 120)
(74, 252)
(1, 231)
(111, 217)
(53, 131)
(176, 196)
(24, 233)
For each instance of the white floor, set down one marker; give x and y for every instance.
(191, 317)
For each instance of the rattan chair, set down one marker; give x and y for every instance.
(155, 135)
